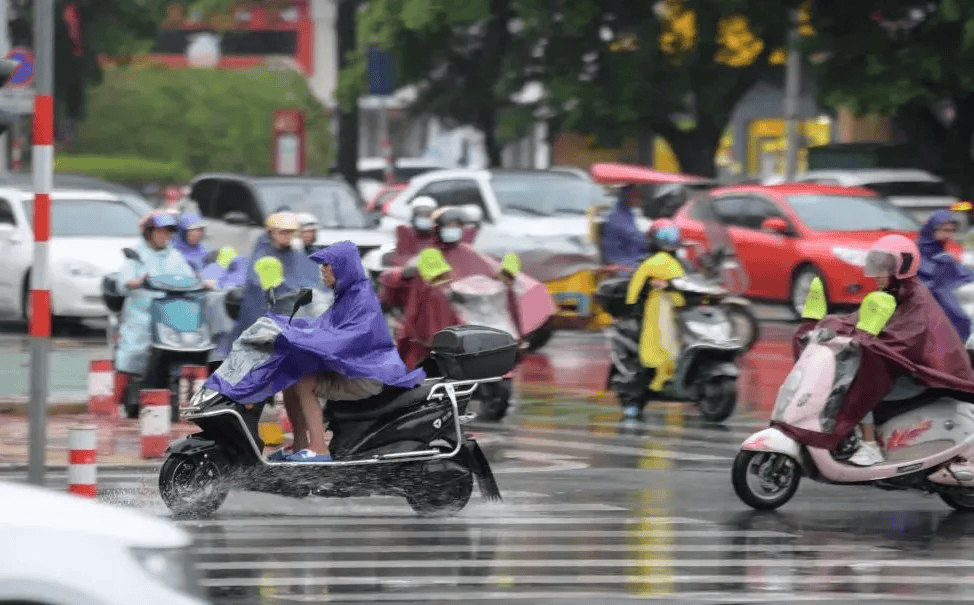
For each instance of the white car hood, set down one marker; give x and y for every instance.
(42, 509)
(103, 252)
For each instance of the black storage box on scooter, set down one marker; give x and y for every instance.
(611, 296)
(473, 352)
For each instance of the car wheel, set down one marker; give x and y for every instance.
(800, 285)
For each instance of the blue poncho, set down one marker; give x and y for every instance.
(941, 274)
(194, 255)
(299, 272)
(350, 338)
(622, 241)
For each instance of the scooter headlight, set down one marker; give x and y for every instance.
(168, 337)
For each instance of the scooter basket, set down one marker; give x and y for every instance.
(611, 296)
(473, 352)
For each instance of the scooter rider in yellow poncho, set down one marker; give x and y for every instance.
(659, 343)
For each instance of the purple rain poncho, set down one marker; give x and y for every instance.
(351, 338)
(941, 274)
(194, 255)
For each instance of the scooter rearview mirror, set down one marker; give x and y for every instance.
(305, 296)
(131, 254)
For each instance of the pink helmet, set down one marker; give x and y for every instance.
(893, 255)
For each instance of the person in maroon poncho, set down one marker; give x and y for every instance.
(918, 340)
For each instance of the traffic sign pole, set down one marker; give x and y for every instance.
(40, 293)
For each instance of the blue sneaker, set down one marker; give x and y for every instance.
(279, 456)
(308, 456)
(632, 412)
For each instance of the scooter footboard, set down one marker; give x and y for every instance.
(475, 458)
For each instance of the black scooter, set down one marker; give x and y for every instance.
(402, 442)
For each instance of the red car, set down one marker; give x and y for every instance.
(383, 197)
(785, 235)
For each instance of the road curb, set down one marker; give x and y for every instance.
(57, 406)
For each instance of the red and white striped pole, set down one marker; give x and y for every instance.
(40, 293)
(82, 470)
(154, 421)
(101, 387)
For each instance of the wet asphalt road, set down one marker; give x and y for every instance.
(594, 511)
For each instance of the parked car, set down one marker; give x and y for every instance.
(519, 210)
(236, 207)
(88, 231)
(64, 550)
(786, 235)
(76, 181)
(372, 172)
(915, 191)
(379, 203)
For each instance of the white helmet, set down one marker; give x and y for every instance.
(307, 221)
(423, 202)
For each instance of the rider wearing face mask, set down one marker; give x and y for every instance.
(916, 340)
(299, 271)
(418, 234)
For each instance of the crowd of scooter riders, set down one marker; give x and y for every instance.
(911, 325)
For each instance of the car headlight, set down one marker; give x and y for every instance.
(852, 256)
(80, 268)
(172, 567)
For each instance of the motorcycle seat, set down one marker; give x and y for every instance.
(389, 401)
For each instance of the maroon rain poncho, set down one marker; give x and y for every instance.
(426, 311)
(918, 340)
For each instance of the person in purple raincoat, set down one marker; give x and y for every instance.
(940, 272)
(189, 240)
(344, 354)
(622, 241)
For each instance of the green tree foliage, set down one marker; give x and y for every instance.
(909, 60)
(675, 68)
(200, 118)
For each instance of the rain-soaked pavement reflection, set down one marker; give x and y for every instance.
(595, 511)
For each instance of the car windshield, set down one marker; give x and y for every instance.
(910, 188)
(545, 194)
(89, 218)
(850, 213)
(334, 204)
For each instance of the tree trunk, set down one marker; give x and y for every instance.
(487, 123)
(695, 149)
(348, 127)
(943, 150)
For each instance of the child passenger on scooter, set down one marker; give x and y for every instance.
(916, 340)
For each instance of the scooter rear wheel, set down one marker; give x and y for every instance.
(192, 485)
(959, 500)
(764, 480)
(718, 398)
(440, 488)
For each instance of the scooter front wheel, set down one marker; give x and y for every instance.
(961, 499)
(718, 398)
(764, 480)
(193, 485)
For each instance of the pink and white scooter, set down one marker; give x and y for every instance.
(928, 438)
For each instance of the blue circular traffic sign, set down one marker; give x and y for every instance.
(23, 76)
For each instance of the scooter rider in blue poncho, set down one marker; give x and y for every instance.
(622, 241)
(345, 354)
(157, 258)
(299, 272)
(940, 272)
(189, 240)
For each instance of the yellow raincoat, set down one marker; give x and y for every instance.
(659, 344)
